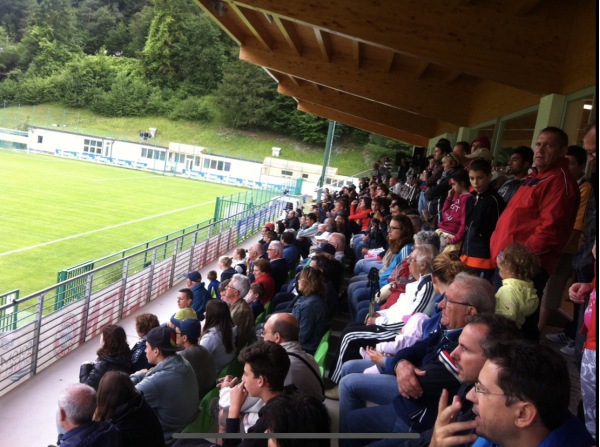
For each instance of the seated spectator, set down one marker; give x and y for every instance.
(187, 335)
(309, 228)
(290, 251)
(283, 329)
(533, 409)
(120, 403)
(239, 256)
(262, 274)
(311, 309)
(266, 366)
(338, 240)
(292, 221)
(279, 270)
(255, 297)
(76, 406)
(297, 413)
(200, 294)
(256, 251)
(420, 372)
(400, 240)
(143, 324)
(113, 355)
(184, 303)
(213, 285)
(329, 270)
(225, 264)
(170, 388)
(219, 334)
(437, 193)
(241, 313)
(517, 298)
(386, 326)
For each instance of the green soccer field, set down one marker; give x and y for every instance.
(57, 213)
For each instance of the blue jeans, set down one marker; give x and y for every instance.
(356, 389)
(364, 265)
(380, 419)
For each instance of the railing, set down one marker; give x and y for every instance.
(38, 335)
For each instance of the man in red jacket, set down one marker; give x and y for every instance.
(542, 212)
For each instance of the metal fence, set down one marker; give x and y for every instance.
(37, 333)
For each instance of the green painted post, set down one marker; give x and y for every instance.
(326, 158)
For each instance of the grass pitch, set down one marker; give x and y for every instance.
(57, 213)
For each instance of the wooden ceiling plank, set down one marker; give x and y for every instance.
(360, 107)
(478, 36)
(359, 123)
(289, 33)
(389, 63)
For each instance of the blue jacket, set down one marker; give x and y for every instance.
(201, 297)
(311, 312)
(92, 434)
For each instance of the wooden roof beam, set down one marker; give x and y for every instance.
(324, 44)
(360, 107)
(363, 124)
(289, 33)
(250, 18)
(400, 90)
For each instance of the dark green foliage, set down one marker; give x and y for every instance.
(191, 109)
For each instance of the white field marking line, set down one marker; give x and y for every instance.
(166, 213)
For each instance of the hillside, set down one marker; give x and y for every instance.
(349, 157)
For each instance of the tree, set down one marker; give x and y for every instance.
(13, 14)
(185, 49)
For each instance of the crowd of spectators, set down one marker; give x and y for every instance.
(437, 280)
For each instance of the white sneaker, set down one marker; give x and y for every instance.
(569, 349)
(559, 337)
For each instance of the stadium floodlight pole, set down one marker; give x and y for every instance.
(326, 158)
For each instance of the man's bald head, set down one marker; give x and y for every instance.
(284, 324)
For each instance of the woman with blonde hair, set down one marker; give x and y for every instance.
(225, 264)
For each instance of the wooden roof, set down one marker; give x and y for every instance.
(414, 69)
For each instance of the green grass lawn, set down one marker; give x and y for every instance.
(49, 203)
(219, 140)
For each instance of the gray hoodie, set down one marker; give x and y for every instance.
(171, 389)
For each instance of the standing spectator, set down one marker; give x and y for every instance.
(170, 388)
(437, 193)
(542, 211)
(187, 333)
(76, 406)
(143, 324)
(579, 293)
(113, 355)
(200, 294)
(557, 282)
(519, 164)
(453, 222)
(120, 403)
(483, 210)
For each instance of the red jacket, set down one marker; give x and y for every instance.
(541, 215)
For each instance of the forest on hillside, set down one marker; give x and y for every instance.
(125, 58)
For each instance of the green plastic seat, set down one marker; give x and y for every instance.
(321, 354)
